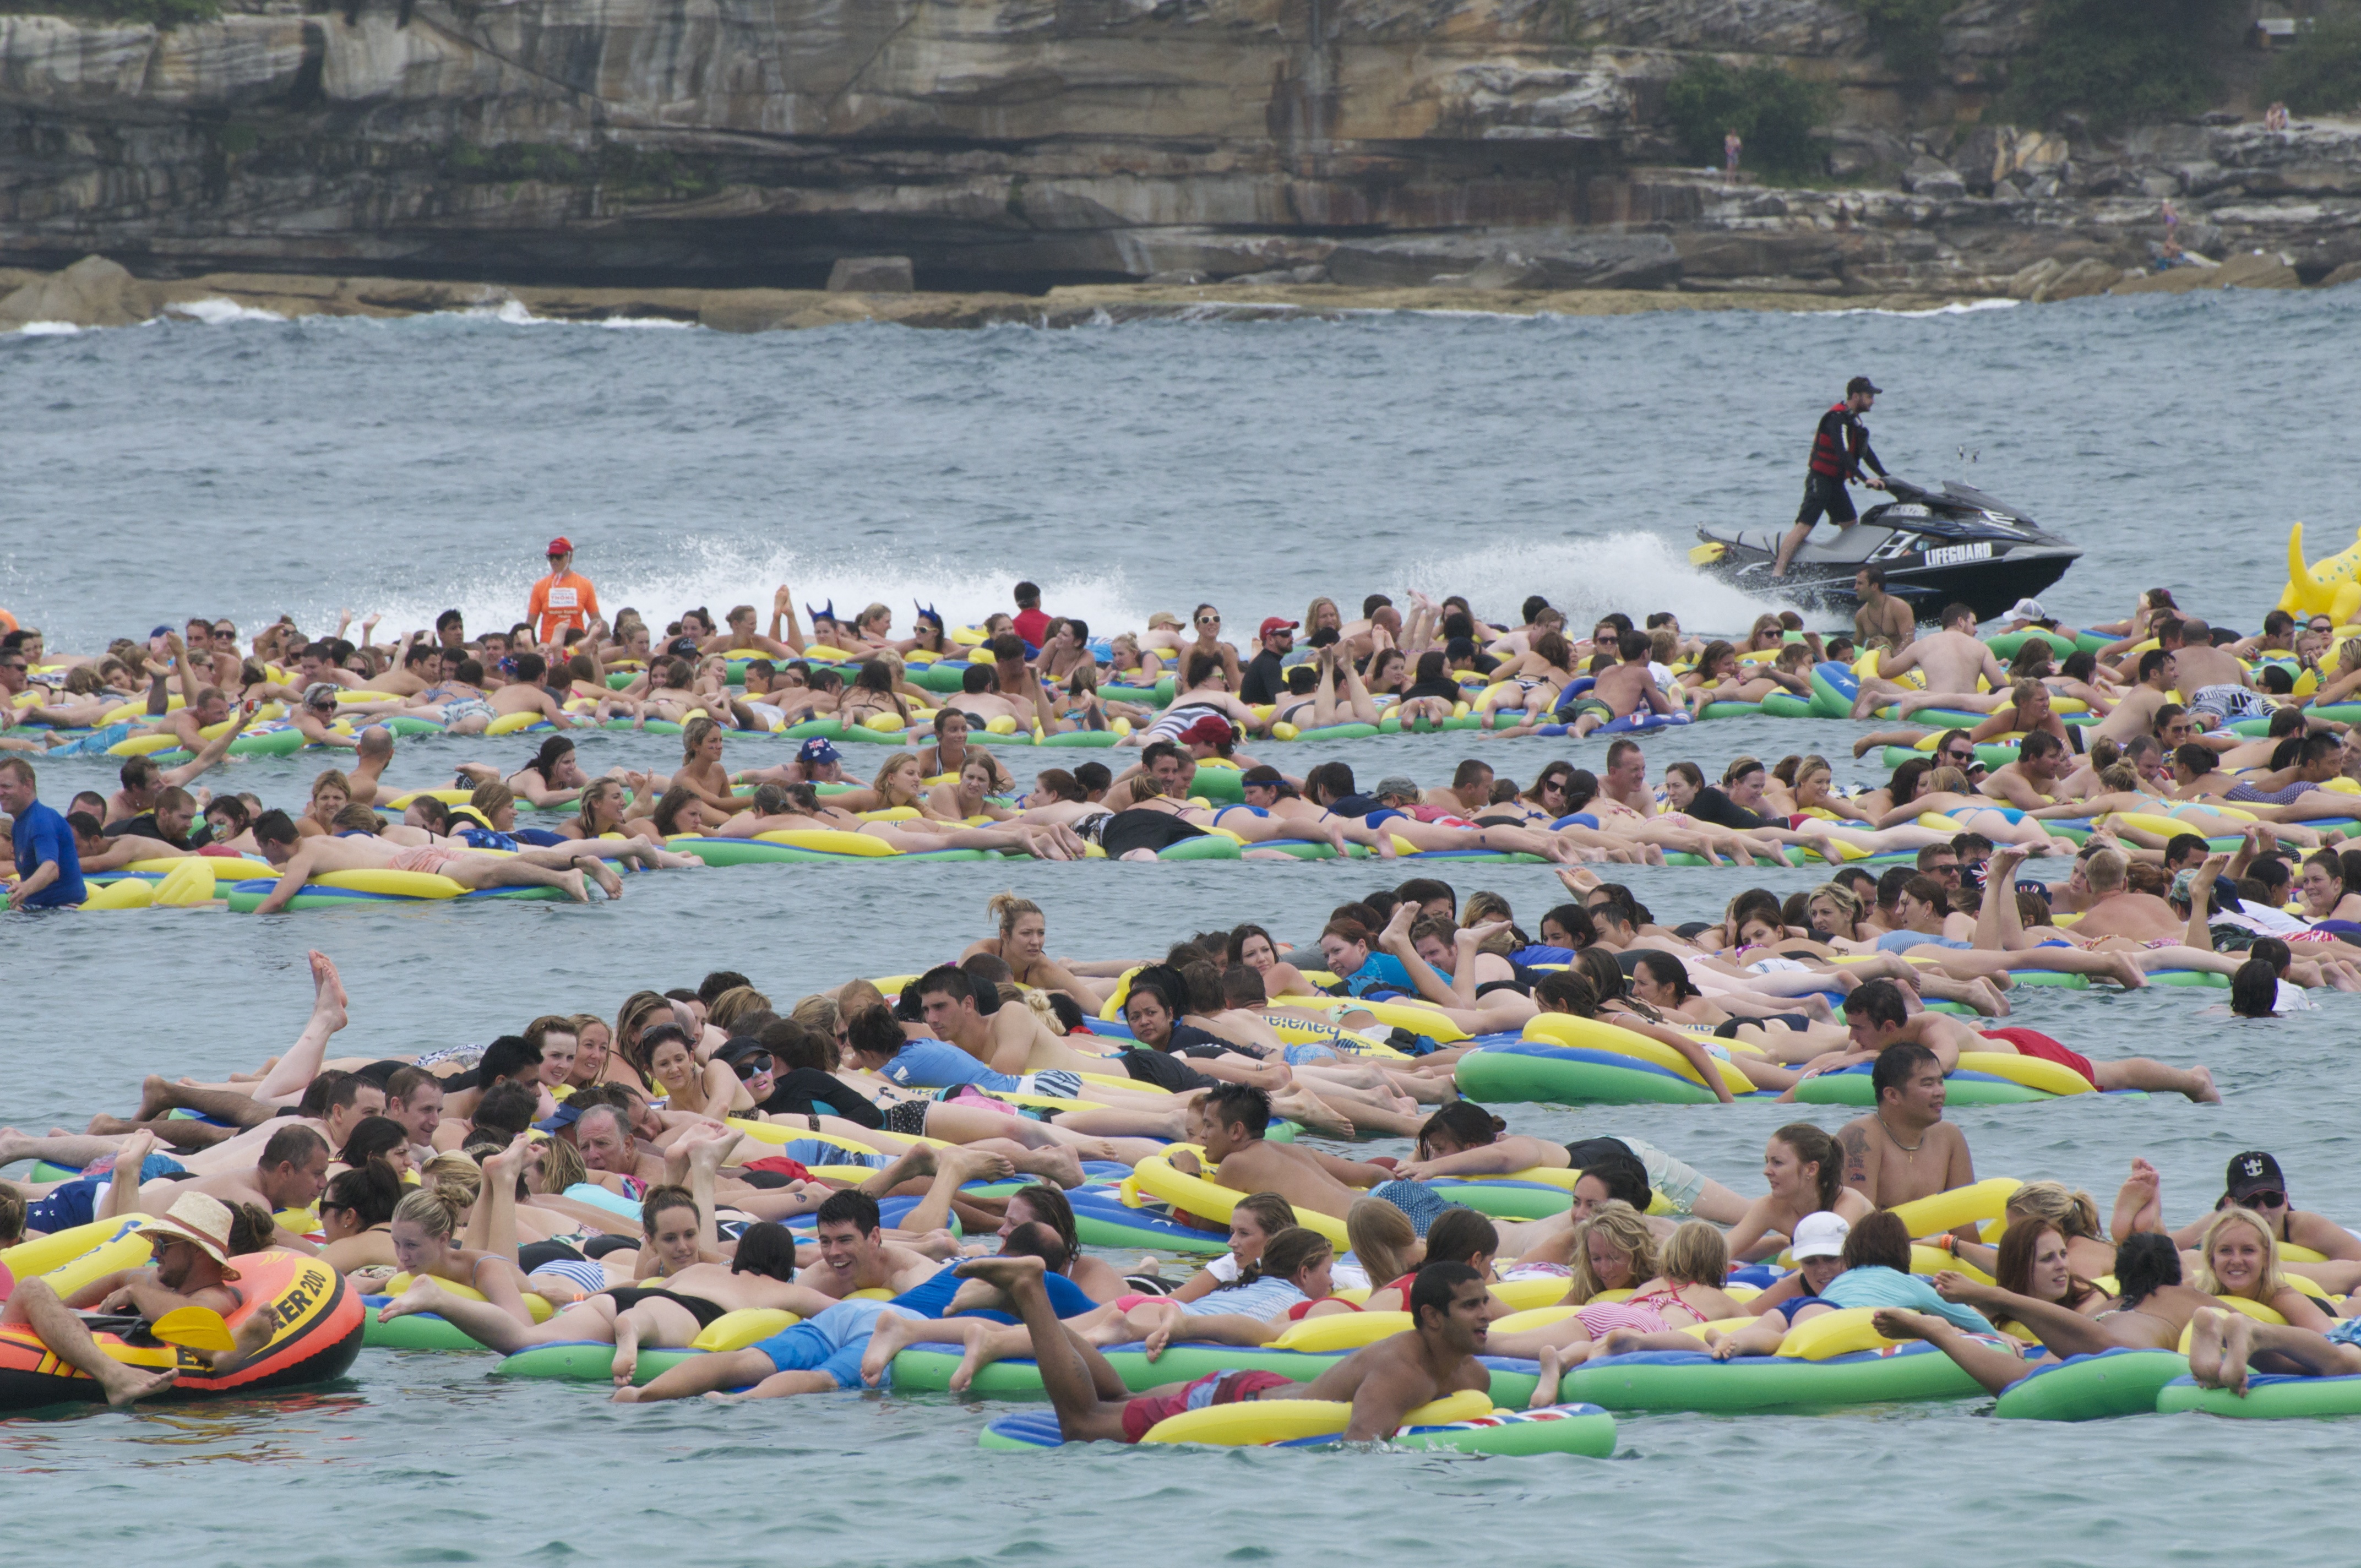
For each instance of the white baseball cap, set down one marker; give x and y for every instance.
(1820, 1234)
(2027, 609)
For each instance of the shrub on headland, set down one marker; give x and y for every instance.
(1773, 110)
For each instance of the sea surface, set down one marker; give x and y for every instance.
(253, 468)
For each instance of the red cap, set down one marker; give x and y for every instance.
(1275, 624)
(561, 545)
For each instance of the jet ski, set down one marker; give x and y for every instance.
(1937, 547)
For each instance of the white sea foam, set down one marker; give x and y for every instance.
(221, 312)
(1634, 572)
(48, 329)
(1956, 308)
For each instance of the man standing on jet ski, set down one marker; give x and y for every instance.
(1839, 450)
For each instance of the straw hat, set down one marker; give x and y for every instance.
(202, 1222)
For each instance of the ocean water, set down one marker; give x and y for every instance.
(247, 468)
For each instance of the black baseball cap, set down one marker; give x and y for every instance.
(2252, 1172)
(1861, 384)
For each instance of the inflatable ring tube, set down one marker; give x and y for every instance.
(510, 723)
(1417, 1019)
(2254, 1309)
(536, 1307)
(1081, 739)
(318, 1338)
(1577, 1429)
(836, 841)
(1260, 1421)
(1987, 1200)
(1505, 1200)
(44, 1253)
(269, 743)
(1537, 1073)
(1596, 1035)
(1834, 688)
(128, 893)
(1338, 732)
(1100, 1220)
(1695, 1381)
(585, 1361)
(1343, 1331)
(2033, 1073)
(397, 885)
(754, 852)
(1727, 710)
(1787, 705)
(1156, 1175)
(1850, 1086)
(1844, 1332)
(142, 745)
(1634, 723)
(2121, 1382)
(2267, 1397)
(2005, 644)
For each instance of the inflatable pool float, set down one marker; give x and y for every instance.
(431, 1331)
(1982, 1078)
(927, 1367)
(1466, 1423)
(2093, 1387)
(593, 1360)
(318, 1338)
(1694, 1381)
(381, 887)
(2267, 1397)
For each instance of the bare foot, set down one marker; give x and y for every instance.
(129, 1387)
(1004, 1272)
(600, 872)
(572, 885)
(1894, 1323)
(424, 1294)
(2127, 973)
(2237, 1345)
(328, 998)
(2205, 1093)
(1063, 1165)
(2205, 1346)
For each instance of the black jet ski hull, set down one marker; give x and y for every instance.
(1988, 585)
(1955, 545)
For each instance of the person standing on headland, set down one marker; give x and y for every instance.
(1731, 146)
(563, 599)
(1840, 451)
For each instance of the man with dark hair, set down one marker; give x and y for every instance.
(1011, 1040)
(1383, 1382)
(719, 981)
(1619, 692)
(822, 1353)
(298, 860)
(1903, 1149)
(1880, 614)
(1840, 452)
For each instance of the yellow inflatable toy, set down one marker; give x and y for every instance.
(2328, 586)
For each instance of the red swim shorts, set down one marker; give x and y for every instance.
(1213, 1388)
(2034, 1042)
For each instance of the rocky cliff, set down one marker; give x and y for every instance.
(1018, 144)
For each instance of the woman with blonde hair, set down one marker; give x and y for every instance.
(1024, 936)
(2238, 1256)
(1615, 1250)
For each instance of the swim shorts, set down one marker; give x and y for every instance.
(1679, 1182)
(2229, 702)
(1213, 1388)
(1420, 1202)
(908, 1118)
(453, 713)
(75, 1203)
(1822, 494)
(1575, 708)
(832, 1342)
(2041, 1047)
(424, 857)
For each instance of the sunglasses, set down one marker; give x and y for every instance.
(753, 1067)
(1958, 756)
(2264, 1200)
(1209, 620)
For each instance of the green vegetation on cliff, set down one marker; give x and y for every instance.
(2321, 74)
(1908, 33)
(154, 13)
(2120, 60)
(1773, 110)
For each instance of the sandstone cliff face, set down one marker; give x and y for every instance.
(1501, 143)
